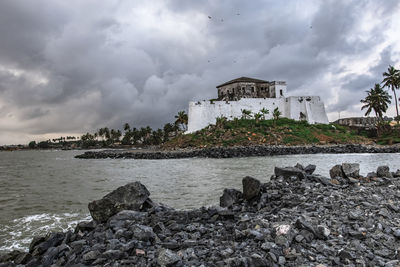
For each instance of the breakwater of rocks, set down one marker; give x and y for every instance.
(238, 151)
(299, 218)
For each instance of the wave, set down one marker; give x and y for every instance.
(18, 233)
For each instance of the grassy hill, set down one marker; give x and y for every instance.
(269, 132)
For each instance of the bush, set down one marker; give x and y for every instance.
(32, 144)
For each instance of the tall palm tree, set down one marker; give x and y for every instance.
(182, 119)
(127, 128)
(377, 100)
(392, 80)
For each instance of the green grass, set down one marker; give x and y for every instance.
(282, 131)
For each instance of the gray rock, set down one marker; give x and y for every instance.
(309, 169)
(384, 171)
(396, 174)
(36, 241)
(251, 187)
(322, 232)
(52, 240)
(336, 171)
(142, 232)
(85, 226)
(299, 166)
(230, 197)
(167, 258)
(90, 256)
(351, 170)
(23, 258)
(288, 172)
(113, 254)
(371, 175)
(133, 196)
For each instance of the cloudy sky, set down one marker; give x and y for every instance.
(68, 67)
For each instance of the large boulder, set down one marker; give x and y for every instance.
(230, 197)
(396, 174)
(351, 170)
(384, 171)
(336, 171)
(251, 187)
(288, 172)
(133, 196)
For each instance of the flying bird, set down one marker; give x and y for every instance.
(209, 17)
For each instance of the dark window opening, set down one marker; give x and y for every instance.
(281, 92)
(252, 89)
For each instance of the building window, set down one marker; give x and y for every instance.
(281, 92)
(252, 89)
(244, 90)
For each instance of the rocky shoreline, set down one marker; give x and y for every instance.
(239, 151)
(297, 219)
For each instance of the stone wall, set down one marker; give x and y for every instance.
(204, 113)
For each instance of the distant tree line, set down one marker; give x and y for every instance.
(106, 137)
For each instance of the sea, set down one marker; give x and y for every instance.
(42, 191)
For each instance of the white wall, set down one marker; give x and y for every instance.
(203, 113)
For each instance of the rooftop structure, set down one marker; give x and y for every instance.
(245, 87)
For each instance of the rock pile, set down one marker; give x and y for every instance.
(239, 151)
(297, 219)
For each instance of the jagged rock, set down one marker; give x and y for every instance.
(23, 258)
(133, 196)
(142, 232)
(299, 166)
(284, 235)
(52, 240)
(167, 258)
(90, 256)
(396, 174)
(288, 172)
(384, 171)
(36, 241)
(351, 170)
(309, 169)
(85, 226)
(320, 179)
(336, 171)
(251, 187)
(230, 197)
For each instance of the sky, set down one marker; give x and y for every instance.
(71, 67)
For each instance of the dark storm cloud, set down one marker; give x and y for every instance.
(81, 65)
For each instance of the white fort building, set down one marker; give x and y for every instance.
(254, 95)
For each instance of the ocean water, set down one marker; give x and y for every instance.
(43, 191)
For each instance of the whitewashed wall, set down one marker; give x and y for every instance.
(203, 113)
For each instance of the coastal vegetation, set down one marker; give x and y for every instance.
(251, 131)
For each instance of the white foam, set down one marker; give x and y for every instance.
(19, 233)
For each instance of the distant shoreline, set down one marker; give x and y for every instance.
(238, 151)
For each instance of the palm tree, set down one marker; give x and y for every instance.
(182, 119)
(392, 80)
(246, 114)
(276, 113)
(377, 100)
(168, 128)
(264, 112)
(127, 128)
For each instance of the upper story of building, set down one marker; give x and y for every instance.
(245, 87)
